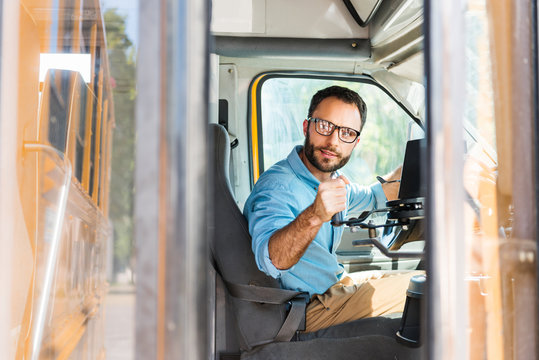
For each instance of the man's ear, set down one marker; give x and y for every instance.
(305, 127)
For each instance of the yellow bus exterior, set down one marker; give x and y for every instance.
(63, 132)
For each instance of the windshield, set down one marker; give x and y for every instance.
(285, 102)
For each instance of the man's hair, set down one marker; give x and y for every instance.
(345, 95)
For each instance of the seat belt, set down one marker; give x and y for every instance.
(261, 294)
(295, 320)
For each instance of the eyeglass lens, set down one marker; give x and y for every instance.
(326, 128)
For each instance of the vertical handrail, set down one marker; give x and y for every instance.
(447, 292)
(171, 170)
(38, 327)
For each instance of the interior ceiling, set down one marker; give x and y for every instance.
(412, 68)
(320, 19)
(394, 37)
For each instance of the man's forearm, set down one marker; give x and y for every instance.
(287, 245)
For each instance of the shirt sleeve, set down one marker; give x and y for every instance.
(362, 198)
(267, 210)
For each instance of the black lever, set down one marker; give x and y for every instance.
(336, 220)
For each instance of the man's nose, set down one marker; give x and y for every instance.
(333, 139)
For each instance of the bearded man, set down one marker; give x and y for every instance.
(291, 206)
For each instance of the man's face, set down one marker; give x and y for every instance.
(329, 153)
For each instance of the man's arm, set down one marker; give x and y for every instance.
(287, 245)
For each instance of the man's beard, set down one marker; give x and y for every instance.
(323, 165)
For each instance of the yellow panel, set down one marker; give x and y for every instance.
(89, 116)
(501, 29)
(39, 11)
(77, 30)
(97, 154)
(254, 130)
(25, 213)
(87, 141)
(73, 119)
(105, 151)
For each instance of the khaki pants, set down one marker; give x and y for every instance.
(356, 297)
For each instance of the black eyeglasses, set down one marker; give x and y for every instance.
(326, 128)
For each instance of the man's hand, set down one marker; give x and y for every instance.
(287, 245)
(331, 198)
(392, 189)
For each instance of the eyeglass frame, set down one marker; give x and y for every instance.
(315, 120)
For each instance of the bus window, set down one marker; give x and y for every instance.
(98, 138)
(55, 107)
(284, 103)
(91, 162)
(102, 152)
(81, 134)
(88, 125)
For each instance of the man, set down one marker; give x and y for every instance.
(291, 206)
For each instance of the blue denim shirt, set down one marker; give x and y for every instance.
(279, 196)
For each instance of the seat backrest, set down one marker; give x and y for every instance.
(232, 255)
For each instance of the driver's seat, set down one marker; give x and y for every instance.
(268, 321)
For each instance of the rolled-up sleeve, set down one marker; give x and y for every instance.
(267, 211)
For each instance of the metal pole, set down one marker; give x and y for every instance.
(148, 114)
(187, 122)
(171, 201)
(447, 295)
(522, 244)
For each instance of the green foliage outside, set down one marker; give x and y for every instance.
(285, 103)
(121, 54)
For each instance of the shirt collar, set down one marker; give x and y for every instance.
(300, 169)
